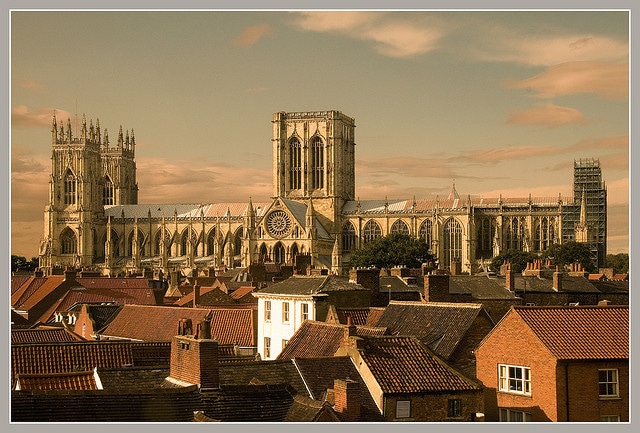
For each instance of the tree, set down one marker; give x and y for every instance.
(393, 250)
(517, 258)
(20, 263)
(619, 262)
(569, 253)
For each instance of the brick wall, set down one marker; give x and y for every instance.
(195, 361)
(434, 407)
(436, 288)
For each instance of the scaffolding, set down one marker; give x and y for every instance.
(587, 179)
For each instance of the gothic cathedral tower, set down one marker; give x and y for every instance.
(314, 159)
(86, 175)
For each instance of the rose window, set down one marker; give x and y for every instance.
(278, 223)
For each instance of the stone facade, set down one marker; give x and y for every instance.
(93, 219)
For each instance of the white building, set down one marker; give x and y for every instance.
(284, 306)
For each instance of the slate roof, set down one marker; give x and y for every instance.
(72, 380)
(101, 314)
(262, 372)
(130, 378)
(63, 406)
(310, 285)
(248, 403)
(439, 325)
(403, 365)
(480, 287)
(305, 409)
(43, 335)
(589, 332)
(319, 339)
(612, 286)
(160, 323)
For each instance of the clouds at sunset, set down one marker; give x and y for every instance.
(607, 80)
(22, 116)
(547, 114)
(391, 34)
(251, 35)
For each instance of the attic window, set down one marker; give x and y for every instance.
(184, 346)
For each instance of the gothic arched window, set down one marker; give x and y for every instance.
(69, 241)
(426, 232)
(279, 254)
(400, 227)
(107, 192)
(452, 241)
(295, 164)
(211, 242)
(317, 163)
(70, 187)
(348, 237)
(371, 231)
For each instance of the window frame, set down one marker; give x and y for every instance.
(608, 382)
(267, 311)
(454, 408)
(403, 409)
(304, 312)
(506, 415)
(286, 312)
(267, 347)
(508, 379)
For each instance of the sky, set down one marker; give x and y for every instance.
(499, 102)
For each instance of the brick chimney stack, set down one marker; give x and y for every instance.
(347, 399)
(510, 278)
(195, 360)
(557, 279)
(196, 295)
(367, 278)
(436, 288)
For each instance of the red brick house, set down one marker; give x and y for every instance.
(559, 364)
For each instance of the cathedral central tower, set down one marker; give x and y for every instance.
(313, 155)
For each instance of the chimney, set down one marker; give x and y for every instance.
(195, 361)
(70, 275)
(367, 278)
(557, 279)
(436, 288)
(196, 295)
(347, 399)
(510, 279)
(456, 266)
(350, 329)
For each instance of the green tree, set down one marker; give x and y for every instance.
(390, 251)
(518, 259)
(20, 263)
(571, 252)
(619, 262)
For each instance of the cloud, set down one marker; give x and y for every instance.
(392, 35)
(198, 181)
(609, 81)
(508, 46)
(548, 114)
(21, 116)
(251, 35)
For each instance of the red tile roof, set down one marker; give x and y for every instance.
(160, 323)
(122, 296)
(404, 365)
(76, 380)
(43, 335)
(18, 280)
(34, 290)
(589, 332)
(358, 316)
(242, 291)
(113, 283)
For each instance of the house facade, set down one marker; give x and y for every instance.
(557, 364)
(284, 306)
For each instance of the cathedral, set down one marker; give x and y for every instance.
(93, 219)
